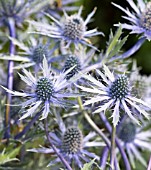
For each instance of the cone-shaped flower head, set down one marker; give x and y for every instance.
(145, 19)
(72, 141)
(72, 61)
(44, 89)
(119, 88)
(127, 132)
(39, 52)
(74, 27)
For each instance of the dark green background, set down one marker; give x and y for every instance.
(106, 16)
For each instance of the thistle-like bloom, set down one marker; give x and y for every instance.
(19, 9)
(140, 22)
(140, 83)
(71, 30)
(134, 138)
(81, 61)
(113, 93)
(72, 146)
(32, 54)
(46, 91)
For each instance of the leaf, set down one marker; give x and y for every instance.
(10, 156)
(118, 47)
(19, 44)
(88, 166)
(15, 58)
(113, 40)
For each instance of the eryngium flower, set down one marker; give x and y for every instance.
(113, 92)
(72, 146)
(72, 61)
(32, 52)
(139, 19)
(134, 139)
(19, 9)
(82, 62)
(71, 30)
(45, 91)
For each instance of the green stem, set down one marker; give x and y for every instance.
(112, 148)
(93, 125)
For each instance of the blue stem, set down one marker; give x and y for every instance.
(104, 156)
(65, 163)
(12, 33)
(109, 128)
(131, 51)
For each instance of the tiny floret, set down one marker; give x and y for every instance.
(72, 141)
(44, 89)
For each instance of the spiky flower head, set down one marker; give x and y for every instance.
(134, 139)
(47, 90)
(127, 132)
(72, 146)
(72, 140)
(44, 89)
(139, 87)
(140, 83)
(72, 61)
(72, 30)
(39, 52)
(139, 18)
(114, 92)
(74, 27)
(119, 88)
(145, 19)
(19, 9)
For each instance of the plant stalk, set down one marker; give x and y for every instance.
(112, 155)
(122, 152)
(65, 163)
(12, 33)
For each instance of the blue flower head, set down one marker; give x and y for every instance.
(72, 145)
(133, 138)
(46, 91)
(72, 30)
(114, 93)
(139, 19)
(19, 9)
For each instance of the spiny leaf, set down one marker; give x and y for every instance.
(113, 40)
(8, 157)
